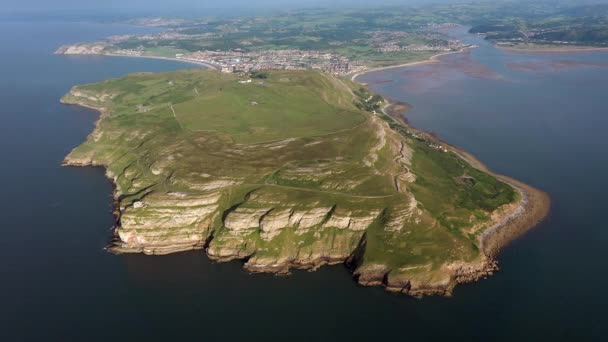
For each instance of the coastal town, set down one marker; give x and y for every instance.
(240, 60)
(247, 55)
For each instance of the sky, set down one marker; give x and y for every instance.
(54, 5)
(103, 10)
(203, 5)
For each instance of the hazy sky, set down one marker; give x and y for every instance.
(178, 5)
(184, 4)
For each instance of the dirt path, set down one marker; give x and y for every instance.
(176, 119)
(399, 160)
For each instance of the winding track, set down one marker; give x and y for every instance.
(399, 159)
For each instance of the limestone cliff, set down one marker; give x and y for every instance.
(390, 202)
(82, 49)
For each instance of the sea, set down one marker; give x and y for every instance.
(540, 118)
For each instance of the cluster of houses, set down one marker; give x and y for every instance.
(397, 46)
(239, 60)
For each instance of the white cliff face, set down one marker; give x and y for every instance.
(403, 214)
(210, 185)
(357, 221)
(162, 223)
(274, 223)
(338, 220)
(163, 217)
(291, 234)
(271, 220)
(245, 218)
(310, 218)
(361, 223)
(176, 199)
(82, 49)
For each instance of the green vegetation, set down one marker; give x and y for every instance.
(298, 178)
(350, 32)
(367, 101)
(445, 179)
(546, 23)
(347, 41)
(362, 36)
(273, 109)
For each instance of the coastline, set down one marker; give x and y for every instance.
(551, 49)
(206, 65)
(173, 59)
(101, 112)
(115, 246)
(457, 273)
(531, 207)
(520, 217)
(430, 60)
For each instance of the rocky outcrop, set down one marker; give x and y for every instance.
(372, 274)
(245, 218)
(160, 224)
(276, 236)
(357, 196)
(329, 248)
(274, 222)
(425, 283)
(82, 49)
(357, 221)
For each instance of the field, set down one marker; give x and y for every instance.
(283, 169)
(248, 110)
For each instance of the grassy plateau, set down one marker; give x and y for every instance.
(286, 169)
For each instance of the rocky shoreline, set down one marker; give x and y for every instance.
(98, 50)
(531, 208)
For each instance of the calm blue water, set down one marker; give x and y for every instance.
(57, 283)
(540, 118)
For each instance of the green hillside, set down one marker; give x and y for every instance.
(282, 170)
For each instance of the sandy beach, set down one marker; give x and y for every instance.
(432, 59)
(207, 65)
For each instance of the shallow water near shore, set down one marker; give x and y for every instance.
(542, 125)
